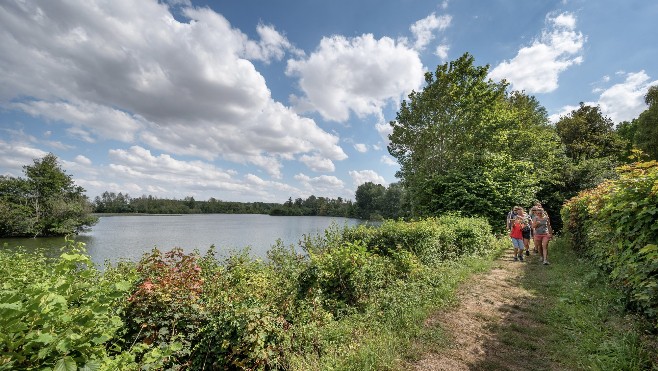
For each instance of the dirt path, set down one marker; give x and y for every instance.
(490, 328)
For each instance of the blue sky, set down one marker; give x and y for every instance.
(265, 100)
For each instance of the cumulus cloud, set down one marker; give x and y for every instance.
(536, 68)
(360, 147)
(82, 160)
(625, 101)
(272, 45)
(318, 163)
(359, 75)
(442, 52)
(388, 160)
(131, 72)
(321, 185)
(167, 176)
(13, 156)
(622, 101)
(423, 29)
(363, 176)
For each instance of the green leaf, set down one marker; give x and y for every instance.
(66, 364)
(44, 338)
(123, 286)
(648, 248)
(92, 365)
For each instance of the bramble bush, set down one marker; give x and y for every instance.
(616, 224)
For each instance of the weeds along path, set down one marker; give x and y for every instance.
(492, 327)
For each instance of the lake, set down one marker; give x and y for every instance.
(129, 237)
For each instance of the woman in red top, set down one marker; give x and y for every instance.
(516, 235)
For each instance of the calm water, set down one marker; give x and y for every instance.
(129, 237)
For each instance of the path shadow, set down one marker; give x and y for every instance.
(517, 341)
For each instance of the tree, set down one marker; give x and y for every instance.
(646, 135)
(587, 134)
(46, 203)
(369, 199)
(464, 128)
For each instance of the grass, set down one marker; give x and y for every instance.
(572, 319)
(584, 318)
(575, 320)
(382, 338)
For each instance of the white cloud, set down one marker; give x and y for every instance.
(318, 163)
(388, 160)
(563, 112)
(359, 75)
(13, 156)
(442, 51)
(82, 160)
(363, 176)
(384, 129)
(130, 71)
(360, 147)
(272, 45)
(536, 68)
(424, 29)
(623, 101)
(322, 185)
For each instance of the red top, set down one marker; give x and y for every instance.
(516, 230)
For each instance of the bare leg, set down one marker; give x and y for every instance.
(545, 249)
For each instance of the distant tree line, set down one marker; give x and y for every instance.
(110, 202)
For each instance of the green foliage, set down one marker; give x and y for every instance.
(110, 202)
(646, 134)
(164, 307)
(465, 144)
(186, 311)
(375, 202)
(587, 134)
(431, 240)
(62, 313)
(46, 203)
(482, 191)
(615, 223)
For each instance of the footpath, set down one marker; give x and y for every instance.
(501, 321)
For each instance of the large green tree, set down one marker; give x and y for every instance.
(465, 144)
(47, 202)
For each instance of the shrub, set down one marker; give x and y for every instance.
(615, 223)
(59, 313)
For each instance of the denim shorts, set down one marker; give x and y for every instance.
(517, 243)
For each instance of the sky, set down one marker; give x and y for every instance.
(269, 100)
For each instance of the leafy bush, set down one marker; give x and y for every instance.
(432, 240)
(615, 223)
(59, 313)
(164, 307)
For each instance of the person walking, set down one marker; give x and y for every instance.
(526, 229)
(516, 235)
(543, 233)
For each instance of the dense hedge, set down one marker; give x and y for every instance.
(191, 311)
(616, 224)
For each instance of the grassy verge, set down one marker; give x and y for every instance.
(383, 336)
(582, 323)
